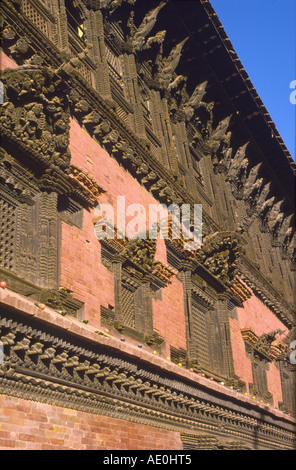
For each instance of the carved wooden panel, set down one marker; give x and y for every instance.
(259, 369)
(7, 233)
(288, 374)
(37, 14)
(132, 312)
(30, 238)
(218, 344)
(37, 242)
(128, 304)
(115, 68)
(45, 364)
(36, 115)
(200, 326)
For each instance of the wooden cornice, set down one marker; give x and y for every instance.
(60, 360)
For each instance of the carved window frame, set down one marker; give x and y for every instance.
(287, 375)
(260, 366)
(39, 12)
(206, 312)
(8, 223)
(259, 387)
(200, 338)
(132, 312)
(115, 65)
(34, 244)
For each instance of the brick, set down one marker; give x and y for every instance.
(6, 62)
(91, 432)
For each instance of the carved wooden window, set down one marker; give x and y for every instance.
(219, 342)
(259, 366)
(135, 306)
(288, 373)
(133, 294)
(115, 69)
(129, 304)
(37, 241)
(37, 13)
(7, 233)
(209, 342)
(201, 333)
(74, 22)
(29, 239)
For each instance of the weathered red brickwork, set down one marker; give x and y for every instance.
(140, 344)
(37, 426)
(169, 319)
(6, 62)
(81, 267)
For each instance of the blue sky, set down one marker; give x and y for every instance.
(263, 33)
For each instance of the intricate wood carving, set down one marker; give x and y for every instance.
(140, 34)
(31, 110)
(84, 183)
(219, 254)
(169, 65)
(60, 300)
(36, 113)
(195, 101)
(240, 290)
(218, 135)
(266, 345)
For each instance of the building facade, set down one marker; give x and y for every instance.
(111, 341)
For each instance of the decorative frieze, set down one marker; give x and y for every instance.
(85, 184)
(240, 290)
(45, 366)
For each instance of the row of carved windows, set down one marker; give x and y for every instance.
(23, 225)
(29, 250)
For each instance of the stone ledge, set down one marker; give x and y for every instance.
(75, 327)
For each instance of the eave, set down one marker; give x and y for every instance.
(231, 82)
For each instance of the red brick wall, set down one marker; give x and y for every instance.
(6, 62)
(169, 316)
(82, 271)
(31, 425)
(81, 268)
(257, 317)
